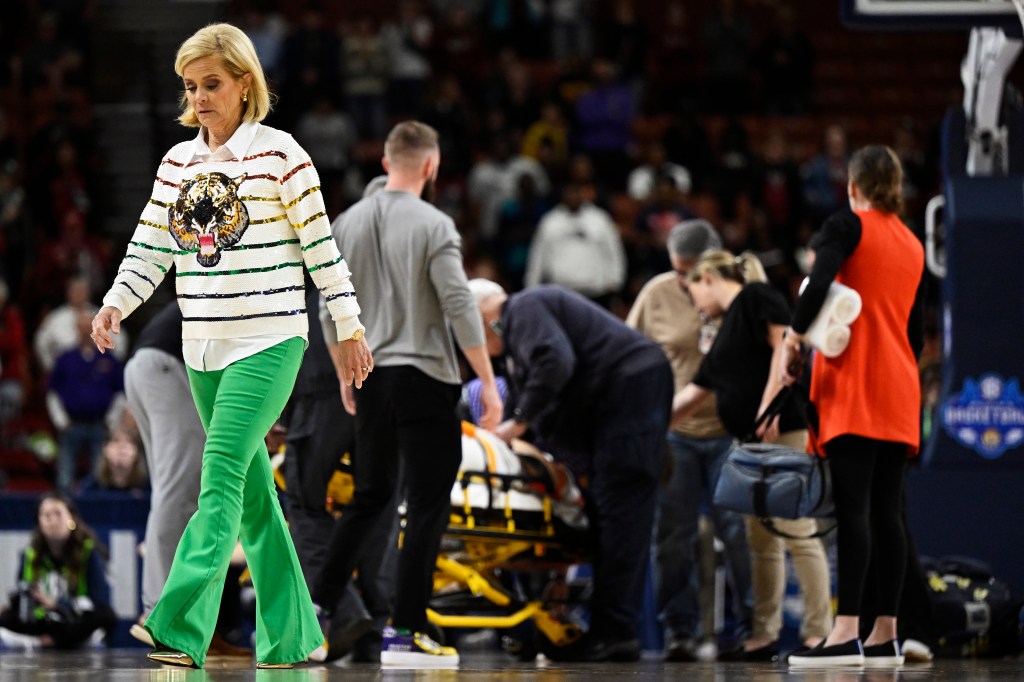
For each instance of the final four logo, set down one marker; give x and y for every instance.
(987, 416)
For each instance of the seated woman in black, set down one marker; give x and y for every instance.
(738, 370)
(63, 595)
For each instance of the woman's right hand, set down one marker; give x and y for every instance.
(106, 322)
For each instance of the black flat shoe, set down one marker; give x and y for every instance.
(885, 655)
(769, 653)
(836, 656)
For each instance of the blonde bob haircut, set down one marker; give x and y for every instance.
(744, 268)
(238, 56)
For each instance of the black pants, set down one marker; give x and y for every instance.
(867, 486)
(916, 614)
(67, 635)
(629, 453)
(402, 416)
(320, 432)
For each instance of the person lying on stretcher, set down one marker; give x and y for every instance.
(535, 476)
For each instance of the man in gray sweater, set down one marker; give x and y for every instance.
(406, 263)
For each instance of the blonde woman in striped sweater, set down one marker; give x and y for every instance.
(238, 212)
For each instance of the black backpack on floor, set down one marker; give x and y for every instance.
(975, 615)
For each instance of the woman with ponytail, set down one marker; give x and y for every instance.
(63, 595)
(868, 399)
(741, 370)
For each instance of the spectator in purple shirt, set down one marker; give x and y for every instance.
(82, 389)
(604, 116)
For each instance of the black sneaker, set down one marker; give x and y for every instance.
(838, 655)
(592, 649)
(886, 655)
(680, 650)
(367, 648)
(342, 636)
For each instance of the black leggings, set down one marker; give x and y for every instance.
(867, 483)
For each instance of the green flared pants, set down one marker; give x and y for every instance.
(237, 499)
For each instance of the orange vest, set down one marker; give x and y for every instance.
(873, 388)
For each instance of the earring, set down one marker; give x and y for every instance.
(245, 97)
(72, 525)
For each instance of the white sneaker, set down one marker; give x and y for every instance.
(142, 634)
(16, 640)
(319, 654)
(916, 652)
(404, 649)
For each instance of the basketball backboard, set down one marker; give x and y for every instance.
(928, 14)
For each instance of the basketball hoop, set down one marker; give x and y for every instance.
(990, 55)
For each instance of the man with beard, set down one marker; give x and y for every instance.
(410, 265)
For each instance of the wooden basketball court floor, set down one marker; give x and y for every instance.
(131, 665)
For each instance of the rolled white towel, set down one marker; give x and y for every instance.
(845, 303)
(830, 339)
(842, 304)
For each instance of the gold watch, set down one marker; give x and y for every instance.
(357, 335)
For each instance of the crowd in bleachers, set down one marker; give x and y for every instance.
(656, 112)
(49, 200)
(607, 120)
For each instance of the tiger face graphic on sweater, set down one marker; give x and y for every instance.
(208, 216)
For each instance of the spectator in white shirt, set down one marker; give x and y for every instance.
(58, 332)
(578, 246)
(642, 179)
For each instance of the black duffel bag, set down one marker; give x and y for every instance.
(768, 480)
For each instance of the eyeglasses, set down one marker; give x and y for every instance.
(495, 326)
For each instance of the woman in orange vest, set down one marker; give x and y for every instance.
(868, 399)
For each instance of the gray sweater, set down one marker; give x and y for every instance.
(406, 265)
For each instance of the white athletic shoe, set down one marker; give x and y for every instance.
(404, 649)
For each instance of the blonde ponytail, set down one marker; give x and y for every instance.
(743, 268)
(750, 266)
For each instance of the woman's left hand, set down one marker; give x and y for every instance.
(769, 431)
(356, 361)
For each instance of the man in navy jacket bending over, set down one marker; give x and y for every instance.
(598, 394)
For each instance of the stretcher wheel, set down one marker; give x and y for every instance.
(520, 642)
(545, 646)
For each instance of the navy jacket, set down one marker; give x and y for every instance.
(565, 355)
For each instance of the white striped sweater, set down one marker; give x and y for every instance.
(238, 233)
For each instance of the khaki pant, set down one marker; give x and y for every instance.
(768, 561)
